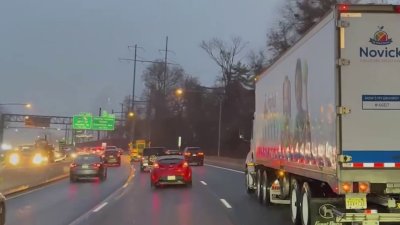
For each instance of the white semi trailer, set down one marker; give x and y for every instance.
(326, 130)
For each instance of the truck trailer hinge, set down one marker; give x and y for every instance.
(342, 23)
(343, 62)
(344, 158)
(343, 110)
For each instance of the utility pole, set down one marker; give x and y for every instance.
(98, 132)
(133, 94)
(165, 66)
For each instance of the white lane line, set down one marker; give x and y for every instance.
(100, 207)
(226, 203)
(223, 168)
(204, 183)
(125, 185)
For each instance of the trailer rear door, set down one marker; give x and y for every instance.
(370, 89)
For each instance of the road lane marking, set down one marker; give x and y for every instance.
(125, 185)
(223, 168)
(204, 183)
(100, 207)
(226, 203)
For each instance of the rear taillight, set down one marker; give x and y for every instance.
(73, 165)
(185, 164)
(200, 153)
(346, 187)
(96, 165)
(363, 187)
(155, 165)
(187, 153)
(343, 8)
(397, 8)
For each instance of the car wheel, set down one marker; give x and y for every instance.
(2, 214)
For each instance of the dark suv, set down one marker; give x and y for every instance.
(149, 157)
(112, 157)
(194, 155)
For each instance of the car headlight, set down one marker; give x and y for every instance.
(14, 159)
(74, 155)
(37, 159)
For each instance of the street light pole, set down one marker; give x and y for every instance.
(219, 127)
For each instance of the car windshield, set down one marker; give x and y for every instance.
(153, 151)
(295, 103)
(87, 159)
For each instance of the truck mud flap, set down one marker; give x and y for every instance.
(322, 211)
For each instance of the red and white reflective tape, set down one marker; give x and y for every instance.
(371, 165)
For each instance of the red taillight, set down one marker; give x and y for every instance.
(187, 153)
(343, 8)
(72, 165)
(155, 165)
(397, 8)
(185, 164)
(200, 153)
(363, 187)
(96, 165)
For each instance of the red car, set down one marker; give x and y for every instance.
(171, 169)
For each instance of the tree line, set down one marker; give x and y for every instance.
(194, 114)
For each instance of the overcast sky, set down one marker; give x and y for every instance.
(62, 56)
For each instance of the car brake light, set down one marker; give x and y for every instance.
(187, 153)
(200, 153)
(185, 164)
(96, 164)
(155, 165)
(343, 8)
(72, 165)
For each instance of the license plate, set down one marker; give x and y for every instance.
(85, 166)
(370, 223)
(194, 155)
(145, 164)
(356, 201)
(111, 156)
(171, 178)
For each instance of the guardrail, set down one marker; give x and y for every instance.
(233, 163)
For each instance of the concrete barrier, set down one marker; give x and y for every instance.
(233, 163)
(17, 179)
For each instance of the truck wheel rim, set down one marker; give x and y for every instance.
(264, 188)
(304, 207)
(293, 204)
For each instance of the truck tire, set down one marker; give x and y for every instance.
(305, 204)
(249, 182)
(266, 200)
(259, 186)
(295, 202)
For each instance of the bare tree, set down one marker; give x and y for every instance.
(226, 55)
(154, 76)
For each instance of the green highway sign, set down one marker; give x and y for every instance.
(82, 122)
(85, 121)
(103, 123)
